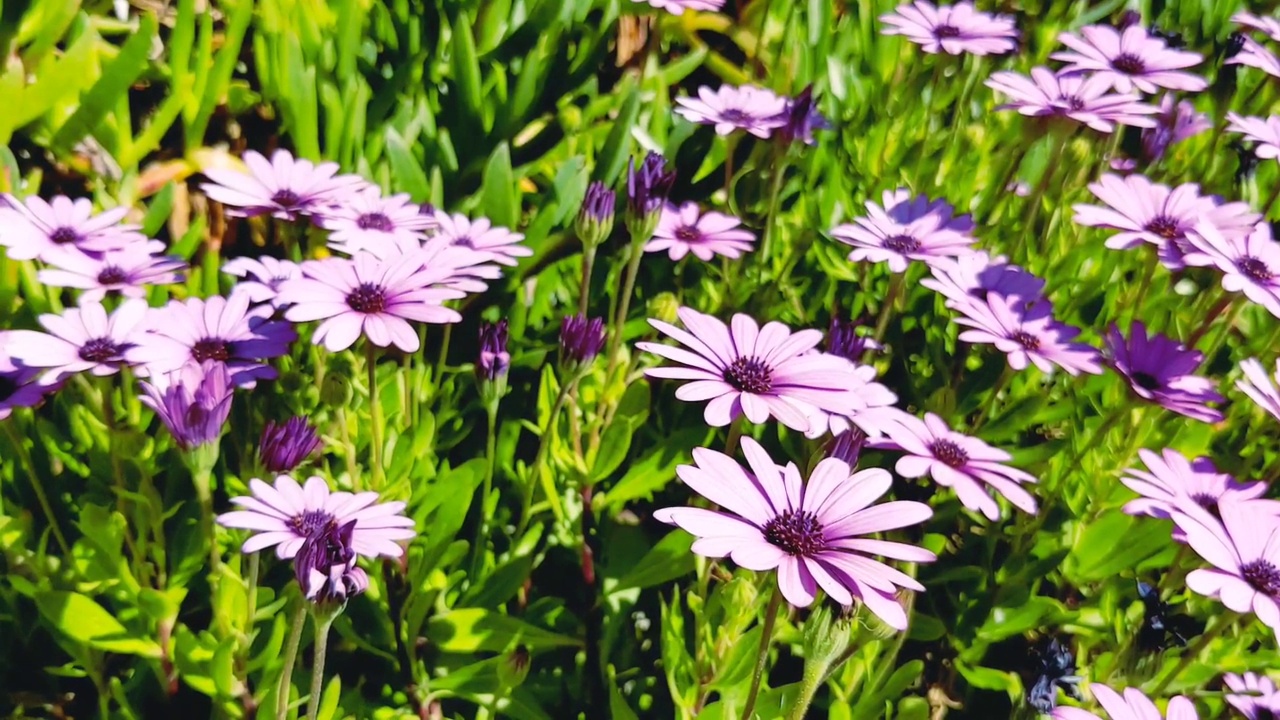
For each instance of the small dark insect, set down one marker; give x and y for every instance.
(1055, 668)
(1159, 624)
(1171, 38)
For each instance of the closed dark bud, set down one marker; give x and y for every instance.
(581, 339)
(494, 359)
(283, 448)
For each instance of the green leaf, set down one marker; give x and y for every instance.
(405, 170)
(499, 198)
(330, 698)
(613, 156)
(466, 74)
(57, 80)
(115, 82)
(85, 621)
(667, 560)
(614, 447)
(500, 585)
(652, 472)
(1113, 543)
(618, 707)
(471, 630)
(1035, 612)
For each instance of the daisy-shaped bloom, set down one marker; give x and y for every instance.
(286, 514)
(1260, 388)
(745, 369)
(192, 402)
(973, 277)
(1264, 132)
(368, 221)
(1268, 25)
(81, 339)
(1133, 705)
(687, 230)
(496, 243)
(1249, 263)
(1128, 60)
(1255, 55)
(953, 29)
(744, 107)
(128, 270)
(1144, 211)
(676, 7)
(32, 227)
(906, 228)
(18, 383)
(869, 414)
(1086, 100)
(1177, 121)
(1253, 695)
(1027, 335)
(265, 276)
(1160, 370)
(1172, 482)
(810, 532)
(957, 461)
(224, 330)
(369, 296)
(284, 187)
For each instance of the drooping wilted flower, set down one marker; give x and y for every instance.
(595, 217)
(1160, 370)
(284, 187)
(755, 110)
(193, 402)
(1255, 696)
(581, 339)
(29, 228)
(1177, 121)
(906, 228)
(81, 339)
(647, 189)
(494, 359)
(1055, 667)
(283, 447)
(953, 29)
(1260, 388)
(127, 270)
(1085, 99)
(1133, 705)
(687, 229)
(325, 565)
(1128, 60)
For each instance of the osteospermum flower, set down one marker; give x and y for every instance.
(1160, 370)
(81, 339)
(369, 296)
(495, 243)
(1268, 25)
(1263, 131)
(1171, 482)
(1027, 335)
(905, 229)
(1255, 55)
(127, 270)
(285, 514)
(325, 566)
(810, 532)
(746, 107)
(1133, 705)
(285, 446)
(18, 383)
(802, 118)
(1177, 121)
(965, 464)
(1250, 263)
(687, 230)
(953, 29)
(973, 277)
(1260, 388)
(29, 228)
(1128, 60)
(676, 7)
(868, 413)
(1253, 695)
(192, 402)
(1086, 100)
(760, 372)
(284, 187)
(267, 274)
(368, 221)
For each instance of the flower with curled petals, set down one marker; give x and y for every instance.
(1255, 696)
(1171, 481)
(954, 29)
(1133, 705)
(1129, 59)
(193, 402)
(746, 107)
(812, 533)
(906, 228)
(1263, 131)
(1086, 100)
(32, 227)
(283, 187)
(1260, 388)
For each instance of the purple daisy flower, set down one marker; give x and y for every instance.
(1177, 121)
(1255, 55)
(953, 29)
(1264, 132)
(803, 119)
(868, 413)
(1133, 705)
(461, 268)
(81, 339)
(369, 296)
(810, 532)
(325, 566)
(286, 514)
(192, 402)
(497, 243)
(33, 227)
(267, 274)
(18, 383)
(284, 187)
(1268, 25)
(1260, 388)
(368, 221)
(127, 270)
(1171, 483)
(744, 107)
(1128, 60)
(283, 447)
(1086, 100)
(745, 369)
(676, 7)
(686, 230)
(963, 463)
(224, 330)
(1253, 695)
(845, 340)
(973, 277)
(1249, 263)
(1027, 335)
(906, 229)
(1160, 370)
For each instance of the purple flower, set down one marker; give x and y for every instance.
(283, 187)
(676, 7)
(802, 118)
(366, 220)
(283, 447)
(1160, 370)
(285, 515)
(494, 359)
(1259, 387)
(595, 218)
(972, 278)
(1128, 60)
(809, 532)
(1086, 100)
(906, 229)
(1172, 483)
(1027, 335)
(871, 407)
(30, 229)
(952, 29)
(458, 267)
(267, 273)
(1176, 122)
(687, 230)
(81, 339)
(581, 339)
(18, 383)
(746, 107)
(494, 243)
(1132, 706)
(846, 447)
(1249, 263)
(1264, 132)
(843, 340)
(1255, 55)
(647, 189)
(369, 296)
(957, 461)
(744, 369)
(127, 270)
(1268, 25)
(224, 330)
(325, 566)
(192, 402)
(1255, 695)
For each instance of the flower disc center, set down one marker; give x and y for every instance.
(1026, 340)
(210, 349)
(368, 298)
(1164, 226)
(99, 350)
(1262, 576)
(901, 244)
(111, 275)
(1255, 269)
(946, 31)
(1129, 64)
(949, 453)
(64, 236)
(375, 221)
(286, 199)
(798, 534)
(750, 375)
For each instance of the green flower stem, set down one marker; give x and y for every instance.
(764, 22)
(762, 657)
(993, 396)
(624, 304)
(890, 299)
(24, 457)
(998, 192)
(117, 474)
(814, 675)
(491, 462)
(526, 503)
(1209, 318)
(290, 657)
(935, 89)
(323, 621)
(444, 353)
(1037, 196)
(375, 416)
(1143, 286)
(1271, 200)
(775, 191)
(588, 262)
(735, 434)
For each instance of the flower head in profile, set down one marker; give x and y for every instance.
(128, 270)
(953, 29)
(812, 533)
(285, 446)
(1253, 54)
(366, 220)
(1249, 263)
(803, 119)
(266, 275)
(494, 243)
(581, 339)
(677, 7)
(1268, 25)
(906, 228)
(325, 566)
(494, 358)
(1260, 388)
(82, 339)
(1086, 100)
(193, 402)
(1253, 695)
(647, 189)
(283, 187)
(30, 228)
(1160, 370)
(1129, 59)
(687, 229)
(1177, 121)
(595, 218)
(1171, 483)
(285, 514)
(751, 109)
(1133, 705)
(1265, 132)
(1028, 335)
(974, 277)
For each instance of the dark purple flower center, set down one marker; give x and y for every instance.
(798, 534)
(1164, 226)
(375, 221)
(1074, 102)
(1255, 269)
(901, 244)
(1026, 340)
(1206, 501)
(750, 375)
(286, 199)
(949, 453)
(99, 350)
(64, 236)
(312, 523)
(8, 386)
(1129, 63)
(688, 234)
(465, 241)
(210, 349)
(1146, 380)
(1262, 576)
(111, 275)
(946, 31)
(368, 298)
(735, 116)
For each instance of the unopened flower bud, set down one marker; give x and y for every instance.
(284, 447)
(648, 187)
(494, 359)
(581, 339)
(825, 637)
(663, 306)
(595, 217)
(514, 668)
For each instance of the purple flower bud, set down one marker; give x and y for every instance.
(494, 359)
(284, 447)
(427, 209)
(803, 119)
(325, 565)
(595, 218)
(1130, 18)
(647, 189)
(843, 340)
(193, 402)
(847, 446)
(581, 339)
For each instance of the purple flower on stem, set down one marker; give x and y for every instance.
(1160, 370)
(1249, 263)
(871, 409)
(325, 566)
(676, 7)
(1268, 25)
(494, 243)
(1260, 388)
(647, 189)
(30, 228)
(802, 119)
(1255, 55)
(283, 447)
(267, 272)
(1172, 483)
(974, 277)
(18, 383)
(581, 339)
(284, 187)
(1264, 132)
(1133, 705)
(192, 402)
(811, 532)
(687, 230)
(366, 220)
(746, 107)
(843, 340)
(906, 229)
(1086, 100)
(81, 339)
(1128, 60)
(286, 514)
(127, 270)
(494, 358)
(1253, 695)
(953, 29)
(1027, 335)
(595, 218)
(1176, 122)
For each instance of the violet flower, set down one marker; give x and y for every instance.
(1086, 100)
(283, 447)
(647, 189)
(1177, 121)
(1268, 25)
(30, 228)
(1255, 55)
(1263, 131)
(906, 228)
(1128, 60)
(18, 383)
(953, 29)
(1260, 388)
(1027, 335)
(972, 278)
(1160, 370)
(366, 220)
(193, 402)
(494, 359)
(676, 7)
(752, 109)
(1255, 696)
(81, 339)
(802, 119)
(267, 275)
(687, 229)
(581, 339)
(1249, 263)
(1133, 705)
(844, 340)
(492, 242)
(325, 565)
(1172, 483)
(127, 270)
(595, 218)
(284, 187)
